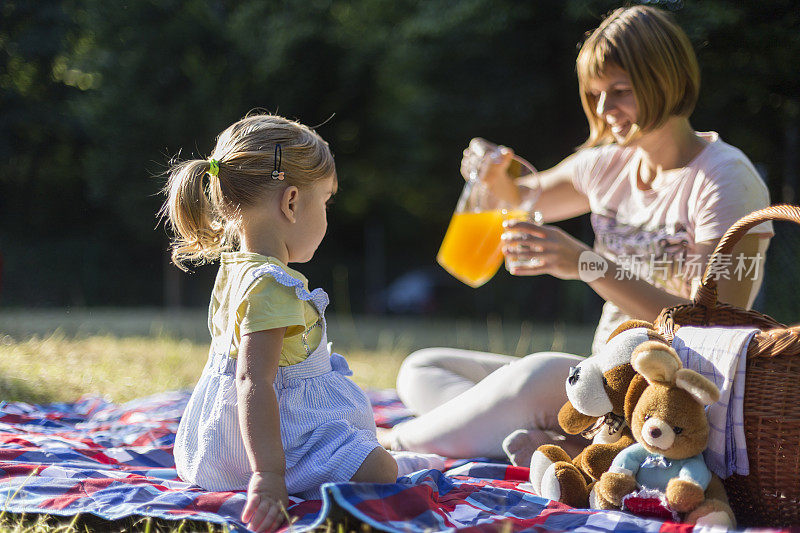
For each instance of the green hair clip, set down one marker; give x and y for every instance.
(213, 167)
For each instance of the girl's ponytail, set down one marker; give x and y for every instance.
(196, 223)
(256, 155)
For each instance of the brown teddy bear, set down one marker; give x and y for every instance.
(670, 426)
(596, 390)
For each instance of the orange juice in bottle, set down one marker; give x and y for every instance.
(472, 249)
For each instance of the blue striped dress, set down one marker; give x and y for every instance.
(327, 426)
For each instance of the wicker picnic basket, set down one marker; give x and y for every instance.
(770, 494)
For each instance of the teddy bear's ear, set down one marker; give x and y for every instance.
(630, 324)
(635, 389)
(699, 387)
(656, 361)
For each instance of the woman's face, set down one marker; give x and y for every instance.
(615, 103)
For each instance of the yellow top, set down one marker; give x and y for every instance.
(265, 305)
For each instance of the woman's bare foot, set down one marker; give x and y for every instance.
(519, 447)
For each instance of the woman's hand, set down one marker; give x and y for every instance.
(490, 162)
(266, 502)
(556, 252)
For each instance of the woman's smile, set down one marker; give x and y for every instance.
(619, 128)
(614, 101)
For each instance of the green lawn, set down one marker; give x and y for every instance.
(123, 354)
(58, 355)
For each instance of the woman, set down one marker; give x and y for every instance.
(660, 196)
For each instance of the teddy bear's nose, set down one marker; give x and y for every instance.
(574, 375)
(655, 432)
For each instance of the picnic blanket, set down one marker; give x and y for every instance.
(115, 461)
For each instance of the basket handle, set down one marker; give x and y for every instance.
(707, 292)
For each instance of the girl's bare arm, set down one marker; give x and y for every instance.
(259, 421)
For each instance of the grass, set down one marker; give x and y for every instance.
(59, 355)
(10, 523)
(58, 368)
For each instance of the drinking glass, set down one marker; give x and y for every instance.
(534, 217)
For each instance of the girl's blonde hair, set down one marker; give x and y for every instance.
(656, 54)
(204, 209)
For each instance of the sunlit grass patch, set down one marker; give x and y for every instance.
(61, 369)
(58, 368)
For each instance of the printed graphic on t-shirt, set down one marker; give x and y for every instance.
(658, 255)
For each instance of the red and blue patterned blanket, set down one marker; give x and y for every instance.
(115, 461)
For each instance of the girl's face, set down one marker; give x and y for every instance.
(311, 219)
(615, 103)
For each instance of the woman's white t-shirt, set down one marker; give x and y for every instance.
(653, 233)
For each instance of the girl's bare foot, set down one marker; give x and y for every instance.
(386, 438)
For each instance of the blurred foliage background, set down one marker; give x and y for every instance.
(97, 96)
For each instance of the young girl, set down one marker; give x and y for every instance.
(273, 411)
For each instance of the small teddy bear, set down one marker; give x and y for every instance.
(596, 390)
(670, 426)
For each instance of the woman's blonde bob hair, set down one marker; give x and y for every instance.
(204, 204)
(656, 54)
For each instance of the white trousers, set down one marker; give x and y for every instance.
(468, 401)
